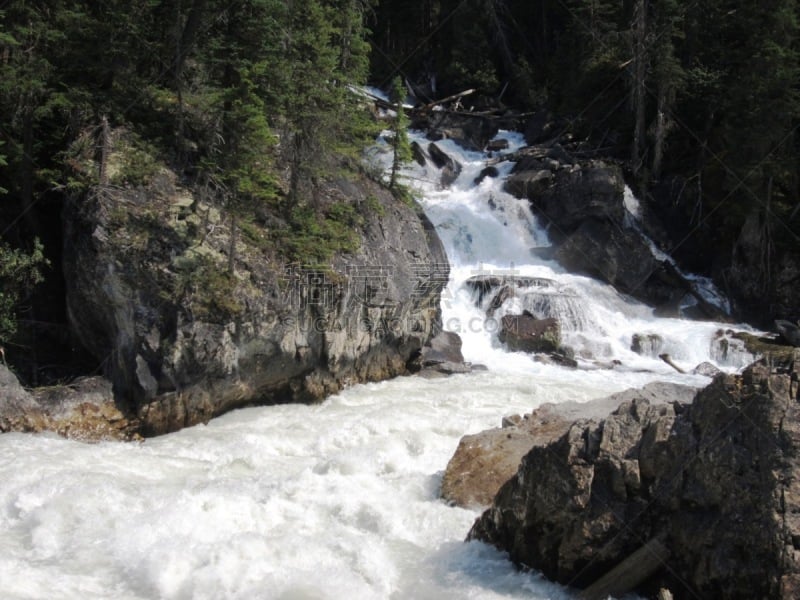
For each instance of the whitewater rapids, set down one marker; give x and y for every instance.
(338, 500)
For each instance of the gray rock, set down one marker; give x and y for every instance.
(528, 334)
(472, 132)
(84, 410)
(483, 462)
(706, 369)
(570, 196)
(450, 167)
(790, 331)
(716, 479)
(184, 340)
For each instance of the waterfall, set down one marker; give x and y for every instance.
(491, 234)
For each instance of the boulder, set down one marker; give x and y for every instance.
(441, 356)
(569, 197)
(470, 131)
(714, 480)
(497, 145)
(526, 333)
(450, 167)
(789, 331)
(418, 154)
(483, 462)
(617, 256)
(83, 410)
(486, 172)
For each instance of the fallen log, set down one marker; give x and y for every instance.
(668, 359)
(630, 573)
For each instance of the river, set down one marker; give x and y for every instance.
(337, 500)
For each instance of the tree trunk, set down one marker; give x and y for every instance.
(661, 131)
(639, 27)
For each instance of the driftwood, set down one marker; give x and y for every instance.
(668, 359)
(630, 573)
(431, 105)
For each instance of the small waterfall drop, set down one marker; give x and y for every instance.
(492, 236)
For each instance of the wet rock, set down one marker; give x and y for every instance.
(617, 256)
(524, 333)
(418, 154)
(590, 190)
(714, 479)
(486, 172)
(706, 369)
(528, 183)
(647, 344)
(472, 132)
(450, 167)
(497, 145)
(789, 331)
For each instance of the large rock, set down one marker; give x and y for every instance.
(715, 481)
(470, 131)
(524, 333)
(450, 167)
(150, 293)
(483, 462)
(567, 197)
(84, 410)
(615, 255)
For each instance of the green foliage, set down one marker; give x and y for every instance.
(312, 240)
(133, 162)
(208, 289)
(19, 273)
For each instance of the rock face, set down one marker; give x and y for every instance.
(583, 203)
(752, 285)
(483, 462)
(185, 338)
(715, 481)
(84, 410)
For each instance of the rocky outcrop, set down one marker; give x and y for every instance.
(84, 410)
(483, 462)
(714, 481)
(193, 319)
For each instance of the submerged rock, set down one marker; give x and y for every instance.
(526, 333)
(715, 480)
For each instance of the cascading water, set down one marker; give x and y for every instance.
(340, 499)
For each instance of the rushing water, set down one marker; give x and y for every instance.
(337, 500)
